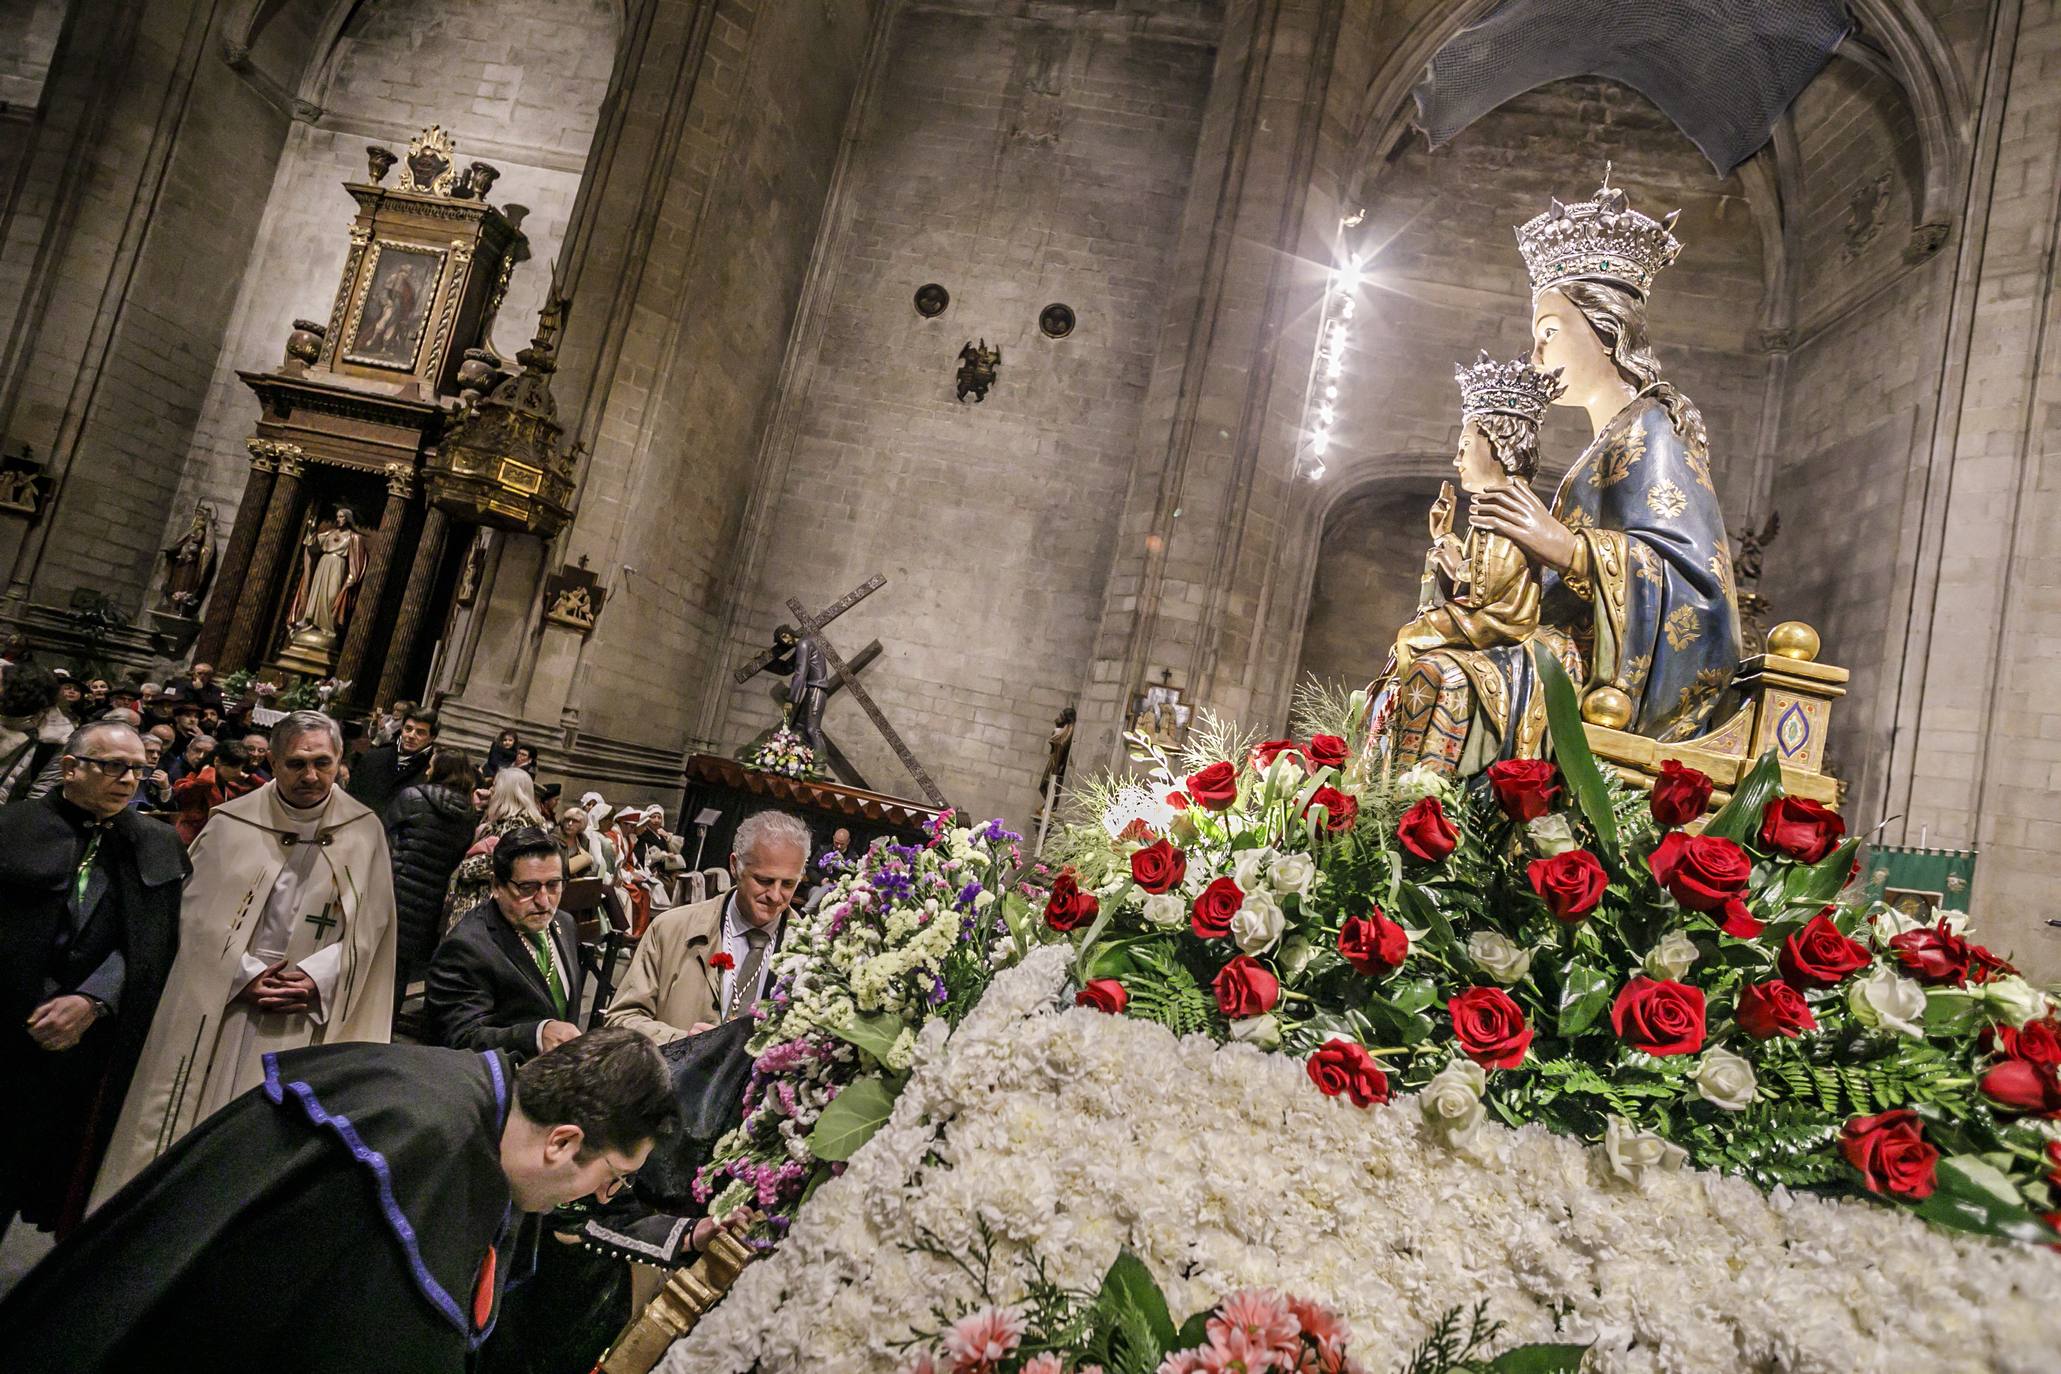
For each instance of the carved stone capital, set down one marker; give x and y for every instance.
(273, 455)
(1776, 340)
(400, 480)
(307, 111)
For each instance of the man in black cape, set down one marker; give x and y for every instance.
(362, 1209)
(89, 922)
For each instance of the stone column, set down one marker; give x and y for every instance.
(232, 571)
(422, 576)
(254, 603)
(350, 664)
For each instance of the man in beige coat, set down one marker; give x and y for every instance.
(699, 965)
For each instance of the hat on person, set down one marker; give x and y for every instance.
(590, 800)
(550, 791)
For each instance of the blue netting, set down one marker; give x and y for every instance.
(1722, 70)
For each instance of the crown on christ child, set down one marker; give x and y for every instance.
(1513, 388)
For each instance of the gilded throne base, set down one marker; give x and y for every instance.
(1788, 708)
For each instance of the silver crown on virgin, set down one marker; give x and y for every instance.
(1601, 239)
(1512, 388)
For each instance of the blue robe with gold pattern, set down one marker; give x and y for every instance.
(1650, 602)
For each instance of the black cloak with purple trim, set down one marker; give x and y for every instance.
(333, 1221)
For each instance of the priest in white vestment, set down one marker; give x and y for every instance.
(286, 939)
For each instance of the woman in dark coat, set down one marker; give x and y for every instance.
(428, 827)
(503, 752)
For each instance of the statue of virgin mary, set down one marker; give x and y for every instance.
(1636, 589)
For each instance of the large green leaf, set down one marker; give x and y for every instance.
(874, 1032)
(1423, 913)
(1194, 1331)
(1740, 816)
(1821, 882)
(1103, 916)
(1571, 751)
(1130, 1283)
(1967, 1200)
(1584, 992)
(852, 1117)
(1539, 1359)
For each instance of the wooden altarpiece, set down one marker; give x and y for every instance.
(358, 415)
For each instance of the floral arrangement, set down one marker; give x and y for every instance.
(1073, 1136)
(906, 934)
(1125, 1325)
(783, 752)
(1545, 945)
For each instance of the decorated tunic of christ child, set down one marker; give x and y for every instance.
(1482, 590)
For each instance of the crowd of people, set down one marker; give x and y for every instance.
(209, 934)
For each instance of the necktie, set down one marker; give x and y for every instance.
(85, 873)
(540, 945)
(745, 990)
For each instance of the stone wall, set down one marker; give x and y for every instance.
(1366, 583)
(1017, 161)
(28, 40)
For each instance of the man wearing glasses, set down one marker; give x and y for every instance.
(507, 977)
(89, 920)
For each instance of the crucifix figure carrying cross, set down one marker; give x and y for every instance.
(818, 672)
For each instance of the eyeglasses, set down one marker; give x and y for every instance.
(526, 891)
(115, 768)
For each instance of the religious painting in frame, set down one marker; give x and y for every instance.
(394, 308)
(1160, 717)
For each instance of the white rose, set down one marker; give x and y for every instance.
(1295, 873)
(2014, 999)
(1263, 1031)
(1552, 834)
(1635, 1154)
(1248, 867)
(1166, 910)
(1451, 1101)
(1725, 1080)
(1258, 924)
(1414, 784)
(1886, 1000)
(1670, 959)
(1497, 955)
(1286, 775)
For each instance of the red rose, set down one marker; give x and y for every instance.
(1158, 867)
(1244, 987)
(1215, 787)
(2054, 1158)
(1679, 795)
(1490, 1027)
(1774, 1008)
(1570, 884)
(1341, 1066)
(1803, 829)
(1818, 956)
(2023, 1087)
(1659, 1016)
(1700, 871)
(1215, 905)
(1068, 907)
(721, 959)
(1982, 965)
(1136, 831)
(1326, 751)
(1373, 944)
(2036, 1042)
(1425, 831)
(1740, 922)
(1931, 955)
(1177, 799)
(1524, 787)
(1265, 752)
(1104, 994)
(1340, 811)
(1891, 1153)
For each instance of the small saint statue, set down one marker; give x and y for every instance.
(190, 564)
(1481, 591)
(332, 566)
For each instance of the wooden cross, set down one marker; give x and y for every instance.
(847, 677)
(823, 617)
(322, 921)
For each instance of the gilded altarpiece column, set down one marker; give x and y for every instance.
(400, 489)
(243, 542)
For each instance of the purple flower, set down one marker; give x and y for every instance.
(964, 900)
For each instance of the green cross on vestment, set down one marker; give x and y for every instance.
(322, 921)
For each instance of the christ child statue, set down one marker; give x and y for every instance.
(1481, 591)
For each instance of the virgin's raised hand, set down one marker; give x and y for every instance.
(1516, 513)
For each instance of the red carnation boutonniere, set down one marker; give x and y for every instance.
(721, 960)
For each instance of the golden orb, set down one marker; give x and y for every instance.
(1793, 639)
(1608, 707)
